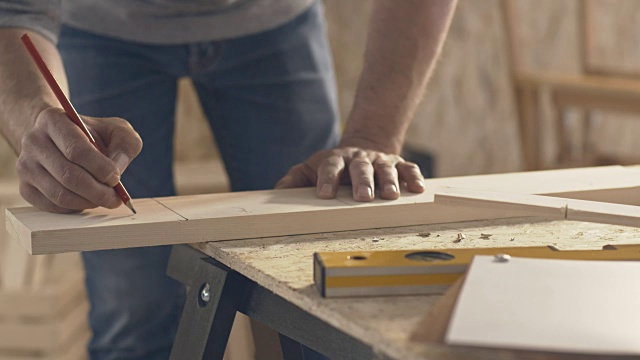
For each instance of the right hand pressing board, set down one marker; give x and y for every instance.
(61, 171)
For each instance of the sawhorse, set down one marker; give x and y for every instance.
(214, 294)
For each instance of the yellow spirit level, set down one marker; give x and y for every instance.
(415, 272)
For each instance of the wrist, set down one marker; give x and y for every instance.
(377, 142)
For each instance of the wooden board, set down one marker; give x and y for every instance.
(229, 216)
(432, 328)
(549, 305)
(545, 206)
(604, 213)
(522, 204)
(284, 265)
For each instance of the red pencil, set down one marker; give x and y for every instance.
(68, 108)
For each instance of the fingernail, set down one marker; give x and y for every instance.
(419, 183)
(122, 161)
(326, 190)
(365, 191)
(390, 189)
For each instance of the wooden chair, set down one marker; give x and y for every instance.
(595, 89)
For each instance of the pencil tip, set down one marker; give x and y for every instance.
(130, 206)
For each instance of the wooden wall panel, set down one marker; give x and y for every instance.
(469, 118)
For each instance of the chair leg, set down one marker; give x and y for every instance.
(529, 127)
(562, 139)
(586, 124)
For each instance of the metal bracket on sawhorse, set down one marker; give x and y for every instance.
(216, 292)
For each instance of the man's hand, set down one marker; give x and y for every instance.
(60, 171)
(360, 167)
(405, 38)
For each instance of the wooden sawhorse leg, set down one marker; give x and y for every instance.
(210, 307)
(216, 292)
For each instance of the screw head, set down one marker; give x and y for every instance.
(205, 294)
(502, 258)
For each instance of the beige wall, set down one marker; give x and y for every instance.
(468, 119)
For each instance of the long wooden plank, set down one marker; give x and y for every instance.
(545, 206)
(42, 233)
(604, 213)
(519, 204)
(216, 217)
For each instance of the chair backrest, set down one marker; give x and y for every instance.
(515, 38)
(589, 30)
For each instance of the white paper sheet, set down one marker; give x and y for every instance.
(554, 305)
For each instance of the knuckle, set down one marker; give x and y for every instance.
(330, 177)
(61, 197)
(296, 169)
(121, 122)
(137, 143)
(329, 161)
(332, 164)
(30, 141)
(360, 162)
(412, 165)
(45, 115)
(22, 167)
(26, 191)
(72, 151)
(360, 154)
(365, 178)
(384, 166)
(387, 180)
(102, 199)
(69, 177)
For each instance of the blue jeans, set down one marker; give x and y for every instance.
(270, 100)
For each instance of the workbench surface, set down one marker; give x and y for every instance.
(284, 265)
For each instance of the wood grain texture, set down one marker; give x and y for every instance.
(229, 216)
(604, 213)
(433, 326)
(284, 265)
(518, 204)
(42, 233)
(542, 206)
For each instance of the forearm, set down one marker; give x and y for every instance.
(404, 41)
(23, 91)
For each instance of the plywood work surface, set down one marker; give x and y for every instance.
(284, 265)
(230, 216)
